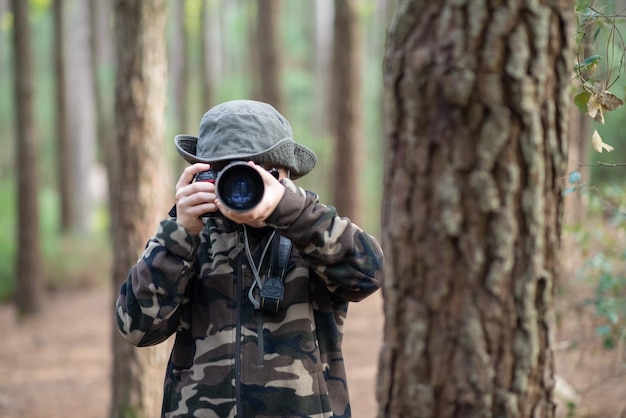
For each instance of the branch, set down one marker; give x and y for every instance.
(599, 164)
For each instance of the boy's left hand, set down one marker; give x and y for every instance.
(255, 217)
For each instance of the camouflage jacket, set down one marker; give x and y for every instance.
(229, 359)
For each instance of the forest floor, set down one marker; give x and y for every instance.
(57, 365)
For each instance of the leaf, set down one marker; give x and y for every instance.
(604, 330)
(582, 5)
(609, 101)
(574, 177)
(594, 108)
(598, 144)
(581, 100)
(569, 190)
(588, 66)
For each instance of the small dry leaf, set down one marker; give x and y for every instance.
(594, 108)
(598, 144)
(601, 100)
(609, 101)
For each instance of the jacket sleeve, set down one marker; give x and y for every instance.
(147, 308)
(348, 260)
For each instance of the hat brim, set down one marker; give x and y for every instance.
(281, 152)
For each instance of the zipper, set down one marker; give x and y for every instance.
(238, 292)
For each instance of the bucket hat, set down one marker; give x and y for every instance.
(246, 130)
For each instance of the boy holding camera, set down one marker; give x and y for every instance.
(257, 295)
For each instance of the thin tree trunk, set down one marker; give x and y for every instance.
(140, 186)
(477, 103)
(346, 112)
(209, 54)
(581, 128)
(179, 71)
(65, 155)
(81, 112)
(30, 281)
(102, 64)
(267, 43)
(324, 17)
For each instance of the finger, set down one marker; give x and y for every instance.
(266, 176)
(189, 173)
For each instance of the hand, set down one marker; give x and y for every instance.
(255, 217)
(194, 199)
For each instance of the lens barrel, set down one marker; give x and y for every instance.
(239, 186)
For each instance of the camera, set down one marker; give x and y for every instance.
(238, 185)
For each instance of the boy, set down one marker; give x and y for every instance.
(257, 298)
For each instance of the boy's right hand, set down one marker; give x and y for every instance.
(193, 199)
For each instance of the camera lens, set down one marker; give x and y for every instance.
(239, 186)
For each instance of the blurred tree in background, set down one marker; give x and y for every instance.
(73, 85)
(139, 179)
(345, 111)
(29, 263)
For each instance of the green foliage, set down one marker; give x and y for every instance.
(599, 63)
(610, 298)
(606, 264)
(7, 239)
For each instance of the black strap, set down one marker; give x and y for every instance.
(273, 289)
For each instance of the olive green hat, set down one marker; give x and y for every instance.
(246, 130)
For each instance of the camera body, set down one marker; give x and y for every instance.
(238, 185)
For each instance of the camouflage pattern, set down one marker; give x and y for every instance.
(230, 360)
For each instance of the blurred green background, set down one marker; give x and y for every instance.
(84, 259)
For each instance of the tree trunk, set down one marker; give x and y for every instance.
(345, 112)
(81, 112)
(178, 60)
(102, 63)
(65, 155)
(209, 53)
(140, 186)
(179, 71)
(477, 100)
(30, 281)
(580, 128)
(324, 17)
(267, 44)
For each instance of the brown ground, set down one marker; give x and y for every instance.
(57, 365)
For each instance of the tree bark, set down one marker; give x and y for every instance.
(140, 186)
(82, 128)
(345, 112)
(179, 64)
(209, 53)
(324, 18)
(581, 129)
(30, 280)
(267, 43)
(102, 57)
(477, 104)
(65, 156)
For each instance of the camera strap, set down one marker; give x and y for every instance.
(273, 289)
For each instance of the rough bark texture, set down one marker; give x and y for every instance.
(477, 99)
(30, 283)
(139, 185)
(345, 112)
